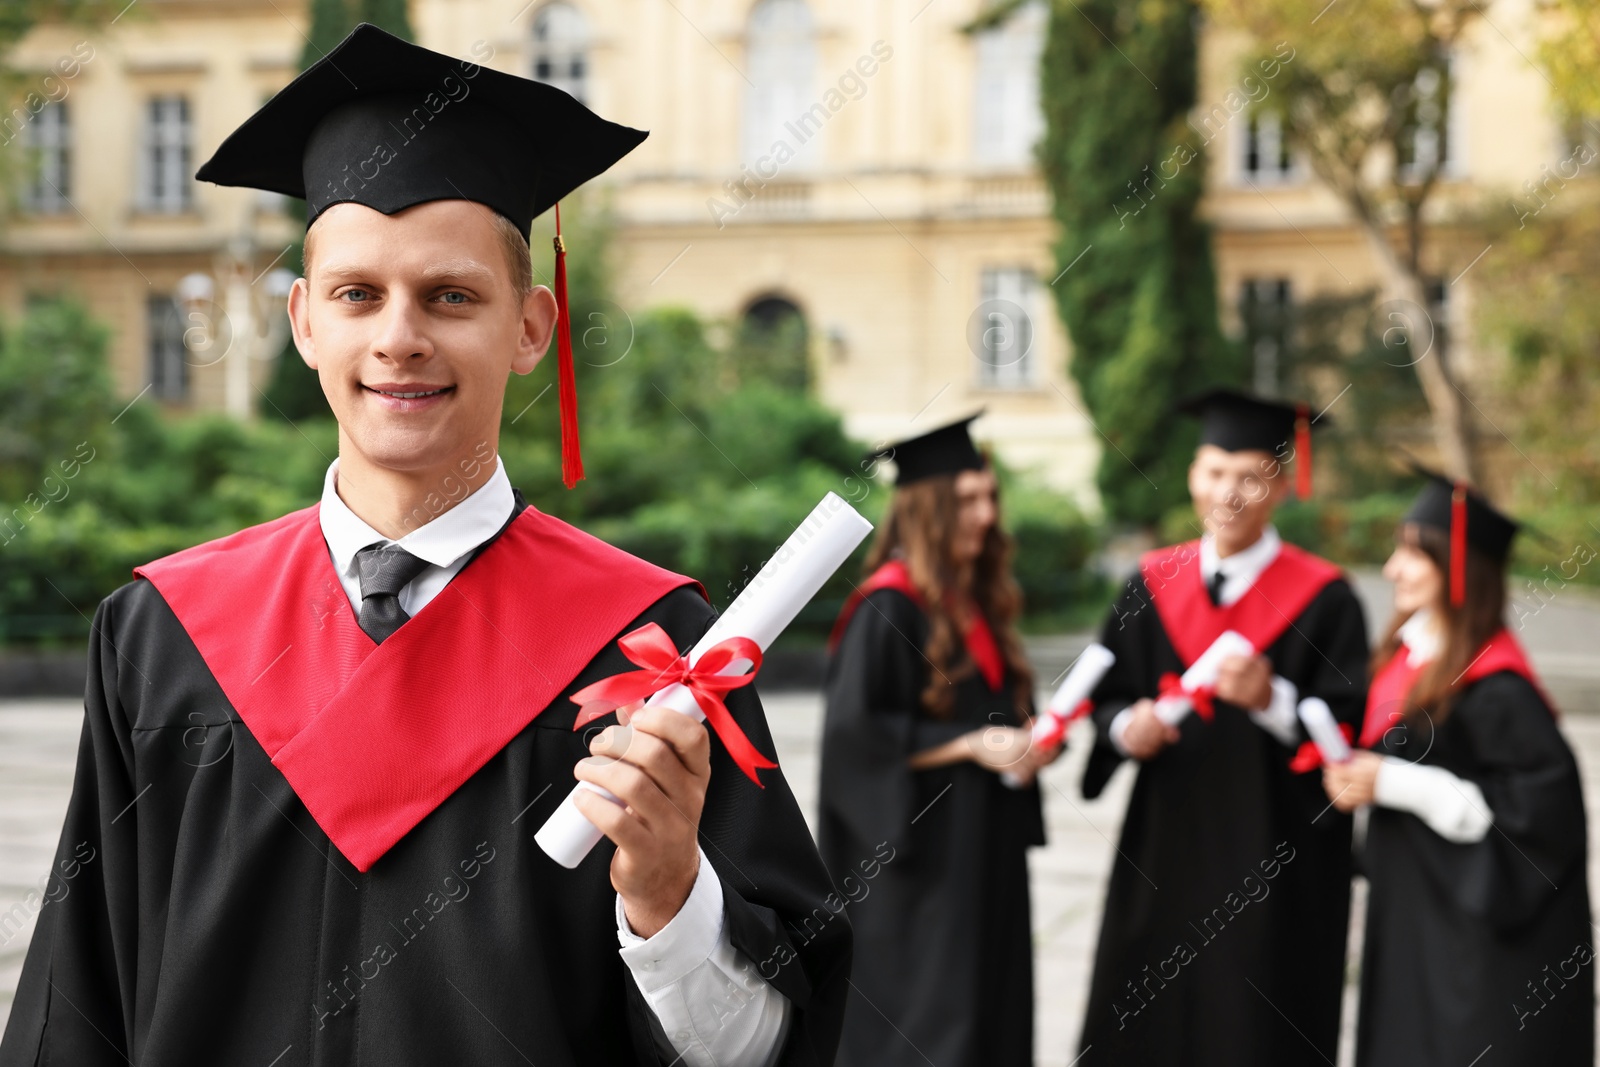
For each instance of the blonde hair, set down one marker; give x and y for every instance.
(513, 243)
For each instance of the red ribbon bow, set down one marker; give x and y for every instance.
(651, 648)
(1201, 699)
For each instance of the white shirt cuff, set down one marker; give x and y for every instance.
(712, 1004)
(1119, 728)
(1452, 807)
(1279, 717)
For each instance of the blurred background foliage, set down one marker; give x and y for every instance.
(702, 452)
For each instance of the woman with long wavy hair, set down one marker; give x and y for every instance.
(929, 698)
(1478, 933)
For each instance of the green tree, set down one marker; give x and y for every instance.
(1571, 54)
(1137, 290)
(54, 393)
(1364, 106)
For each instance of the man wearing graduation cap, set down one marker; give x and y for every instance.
(928, 696)
(1224, 928)
(316, 752)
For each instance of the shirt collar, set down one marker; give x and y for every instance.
(1420, 634)
(1245, 565)
(440, 541)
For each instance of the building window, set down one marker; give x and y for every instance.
(773, 344)
(1264, 156)
(1007, 120)
(561, 49)
(164, 183)
(1429, 143)
(169, 360)
(780, 105)
(1266, 307)
(49, 140)
(1001, 329)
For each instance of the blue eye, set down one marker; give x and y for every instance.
(446, 297)
(362, 293)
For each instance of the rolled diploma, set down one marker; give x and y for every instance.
(1203, 673)
(760, 613)
(1324, 730)
(1074, 689)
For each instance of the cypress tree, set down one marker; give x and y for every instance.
(1126, 172)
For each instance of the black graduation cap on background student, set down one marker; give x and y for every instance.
(1239, 422)
(946, 450)
(1462, 513)
(385, 123)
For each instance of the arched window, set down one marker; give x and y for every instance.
(773, 342)
(1007, 121)
(780, 102)
(561, 49)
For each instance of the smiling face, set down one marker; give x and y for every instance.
(412, 322)
(1234, 494)
(1418, 581)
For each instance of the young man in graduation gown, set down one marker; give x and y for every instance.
(1479, 944)
(316, 752)
(927, 702)
(1223, 934)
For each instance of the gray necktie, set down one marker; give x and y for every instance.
(384, 570)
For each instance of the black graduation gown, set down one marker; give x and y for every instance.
(1224, 931)
(213, 922)
(1489, 943)
(932, 862)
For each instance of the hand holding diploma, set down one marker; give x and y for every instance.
(692, 685)
(1069, 704)
(1196, 688)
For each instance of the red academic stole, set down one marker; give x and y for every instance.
(373, 737)
(1281, 592)
(1386, 696)
(978, 638)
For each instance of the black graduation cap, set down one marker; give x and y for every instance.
(946, 450)
(385, 123)
(1240, 422)
(1463, 515)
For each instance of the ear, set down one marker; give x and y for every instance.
(538, 327)
(300, 321)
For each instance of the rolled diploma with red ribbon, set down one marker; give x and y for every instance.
(1051, 726)
(1324, 730)
(816, 549)
(1202, 674)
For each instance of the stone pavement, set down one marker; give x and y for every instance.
(38, 745)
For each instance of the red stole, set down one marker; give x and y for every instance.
(978, 637)
(1386, 697)
(373, 737)
(1281, 592)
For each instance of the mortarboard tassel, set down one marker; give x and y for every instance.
(1302, 453)
(1458, 545)
(571, 454)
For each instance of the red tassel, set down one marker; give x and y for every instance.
(1302, 453)
(1458, 545)
(571, 454)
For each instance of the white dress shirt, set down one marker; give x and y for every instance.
(1451, 806)
(712, 1005)
(1239, 572)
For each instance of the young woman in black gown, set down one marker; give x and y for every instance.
(928, 702)
(1478, 943)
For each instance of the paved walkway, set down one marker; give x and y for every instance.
(38, 744)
